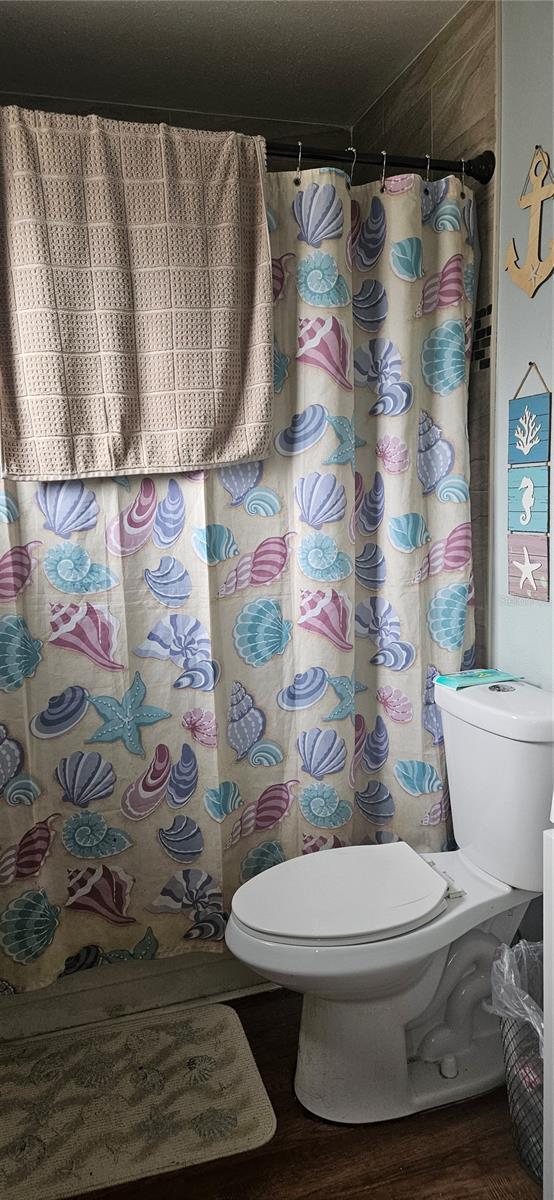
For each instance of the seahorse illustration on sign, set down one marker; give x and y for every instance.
(527, 499)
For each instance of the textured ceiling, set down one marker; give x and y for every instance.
(290, 60)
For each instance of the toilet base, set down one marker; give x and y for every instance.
(353, 1068)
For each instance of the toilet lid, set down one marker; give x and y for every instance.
(349, 895)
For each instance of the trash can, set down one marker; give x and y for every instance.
(517, 998)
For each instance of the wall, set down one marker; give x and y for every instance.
(444, 104)
(522, 638)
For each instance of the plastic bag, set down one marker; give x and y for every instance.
(517, 985)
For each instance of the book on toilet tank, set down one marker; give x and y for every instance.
(463, 679)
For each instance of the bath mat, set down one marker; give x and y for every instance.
(94, 1107)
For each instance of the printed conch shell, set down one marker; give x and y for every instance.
(449, 554)
(245, 722)
(327, 613)
(323, 342)
(264, 566)
(26, 858)
(444, 289)
(16, 569)
(131, 528)
(144, 795)
(102, 891)
(265, 812)
(88, 629)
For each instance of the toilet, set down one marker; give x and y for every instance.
(392, 949)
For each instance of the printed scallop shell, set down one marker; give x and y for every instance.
(416, 777)
(144, 795)
(70, 569)
(101, 890)
(170, 582)
(406, 259)
(320, 498)
(183, 778)
(84, 776)
(202, 724)
(86, 628)
(88, 835)
(372, 236)
(260, 632)
(370, 305)
(371, 568)
(260, 858)
(131, 528)
(393, 453)
(376, 803)
(408, 532)
(322, 751)
(318, 213)
(327, 613)
(222, 800)
(396, 704)
(376, 747)
(239, 479)
(69, 507)
(170, 516)
(435, 455)
(322, 806)
(305, 430)
(320, 558)
(28, 925)
(306, 689)
(443, 357)
(20, 653)
(62, 713)
(245, 722)
(16, 570)
(183, 841)
(446, 615)
(214, 544)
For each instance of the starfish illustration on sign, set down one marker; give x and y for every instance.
(123, 718)
(527, 569)
(348, 438)
(346, 688)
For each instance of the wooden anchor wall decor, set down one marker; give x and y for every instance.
(534, 271)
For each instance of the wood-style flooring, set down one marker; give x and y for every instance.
(464, 1152)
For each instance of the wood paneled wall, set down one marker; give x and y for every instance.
(445, 104)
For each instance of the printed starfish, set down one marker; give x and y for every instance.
(348, 438)
(527, 569)
(123, 718)
(346, 688)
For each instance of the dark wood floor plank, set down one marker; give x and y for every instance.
(464, 1152)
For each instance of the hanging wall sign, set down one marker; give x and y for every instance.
(534, 271)
(528, 565)
(529, 429)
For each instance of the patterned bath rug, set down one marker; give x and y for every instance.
(91, 1108)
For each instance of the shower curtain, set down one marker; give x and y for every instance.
(204, 675)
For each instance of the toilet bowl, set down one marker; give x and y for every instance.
(392, 949)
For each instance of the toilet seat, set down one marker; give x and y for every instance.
(347, 896)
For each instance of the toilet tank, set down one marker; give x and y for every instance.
(499, 743)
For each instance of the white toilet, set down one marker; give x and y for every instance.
(391, 949)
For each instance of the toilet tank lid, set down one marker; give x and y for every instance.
(513, 710)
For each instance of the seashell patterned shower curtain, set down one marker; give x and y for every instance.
(204, 675)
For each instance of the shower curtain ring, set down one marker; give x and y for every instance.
(298, 177)
(384, 153)
(463, 191)
(426, 188)
(352, 150)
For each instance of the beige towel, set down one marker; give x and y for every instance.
(135, 298)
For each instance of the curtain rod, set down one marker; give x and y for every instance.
(480, 168)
